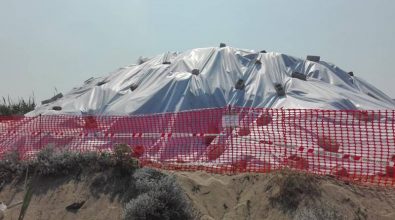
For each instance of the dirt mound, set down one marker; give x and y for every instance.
(282, 195)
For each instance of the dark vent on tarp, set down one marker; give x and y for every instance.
(313, 58)
(222, 45)
(240, 84)
(57, 108)
(195, 72)
(262, 51)
(351, 73)
(298, 75)
(133, 86)
(101, 83)
(279, 89)
(166, 62)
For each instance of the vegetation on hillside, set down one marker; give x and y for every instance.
(146, 193)
(21, 107)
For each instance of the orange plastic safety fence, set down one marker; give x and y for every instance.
(356, 145)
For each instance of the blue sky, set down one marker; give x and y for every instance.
(51, 43)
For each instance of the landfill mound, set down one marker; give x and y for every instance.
(216, 77)
(277, 133)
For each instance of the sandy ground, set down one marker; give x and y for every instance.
(51, 196)
(244, 196)
(248, 196)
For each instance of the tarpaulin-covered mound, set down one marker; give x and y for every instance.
(222, 109)
(217, 77)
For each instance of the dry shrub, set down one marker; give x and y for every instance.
(160, 197)
(294, 187)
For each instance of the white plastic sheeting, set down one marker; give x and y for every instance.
(207, 78)
(165, 83)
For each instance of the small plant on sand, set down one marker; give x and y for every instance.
(298, 194)
(293, 188)
(123, 157)
(160, 197)
(10, 167)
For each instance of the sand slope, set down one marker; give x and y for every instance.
(243, 196)
(249, 196)
(52, 195)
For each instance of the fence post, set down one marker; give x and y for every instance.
(40, 130)
(231, 138)
(284, 131)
